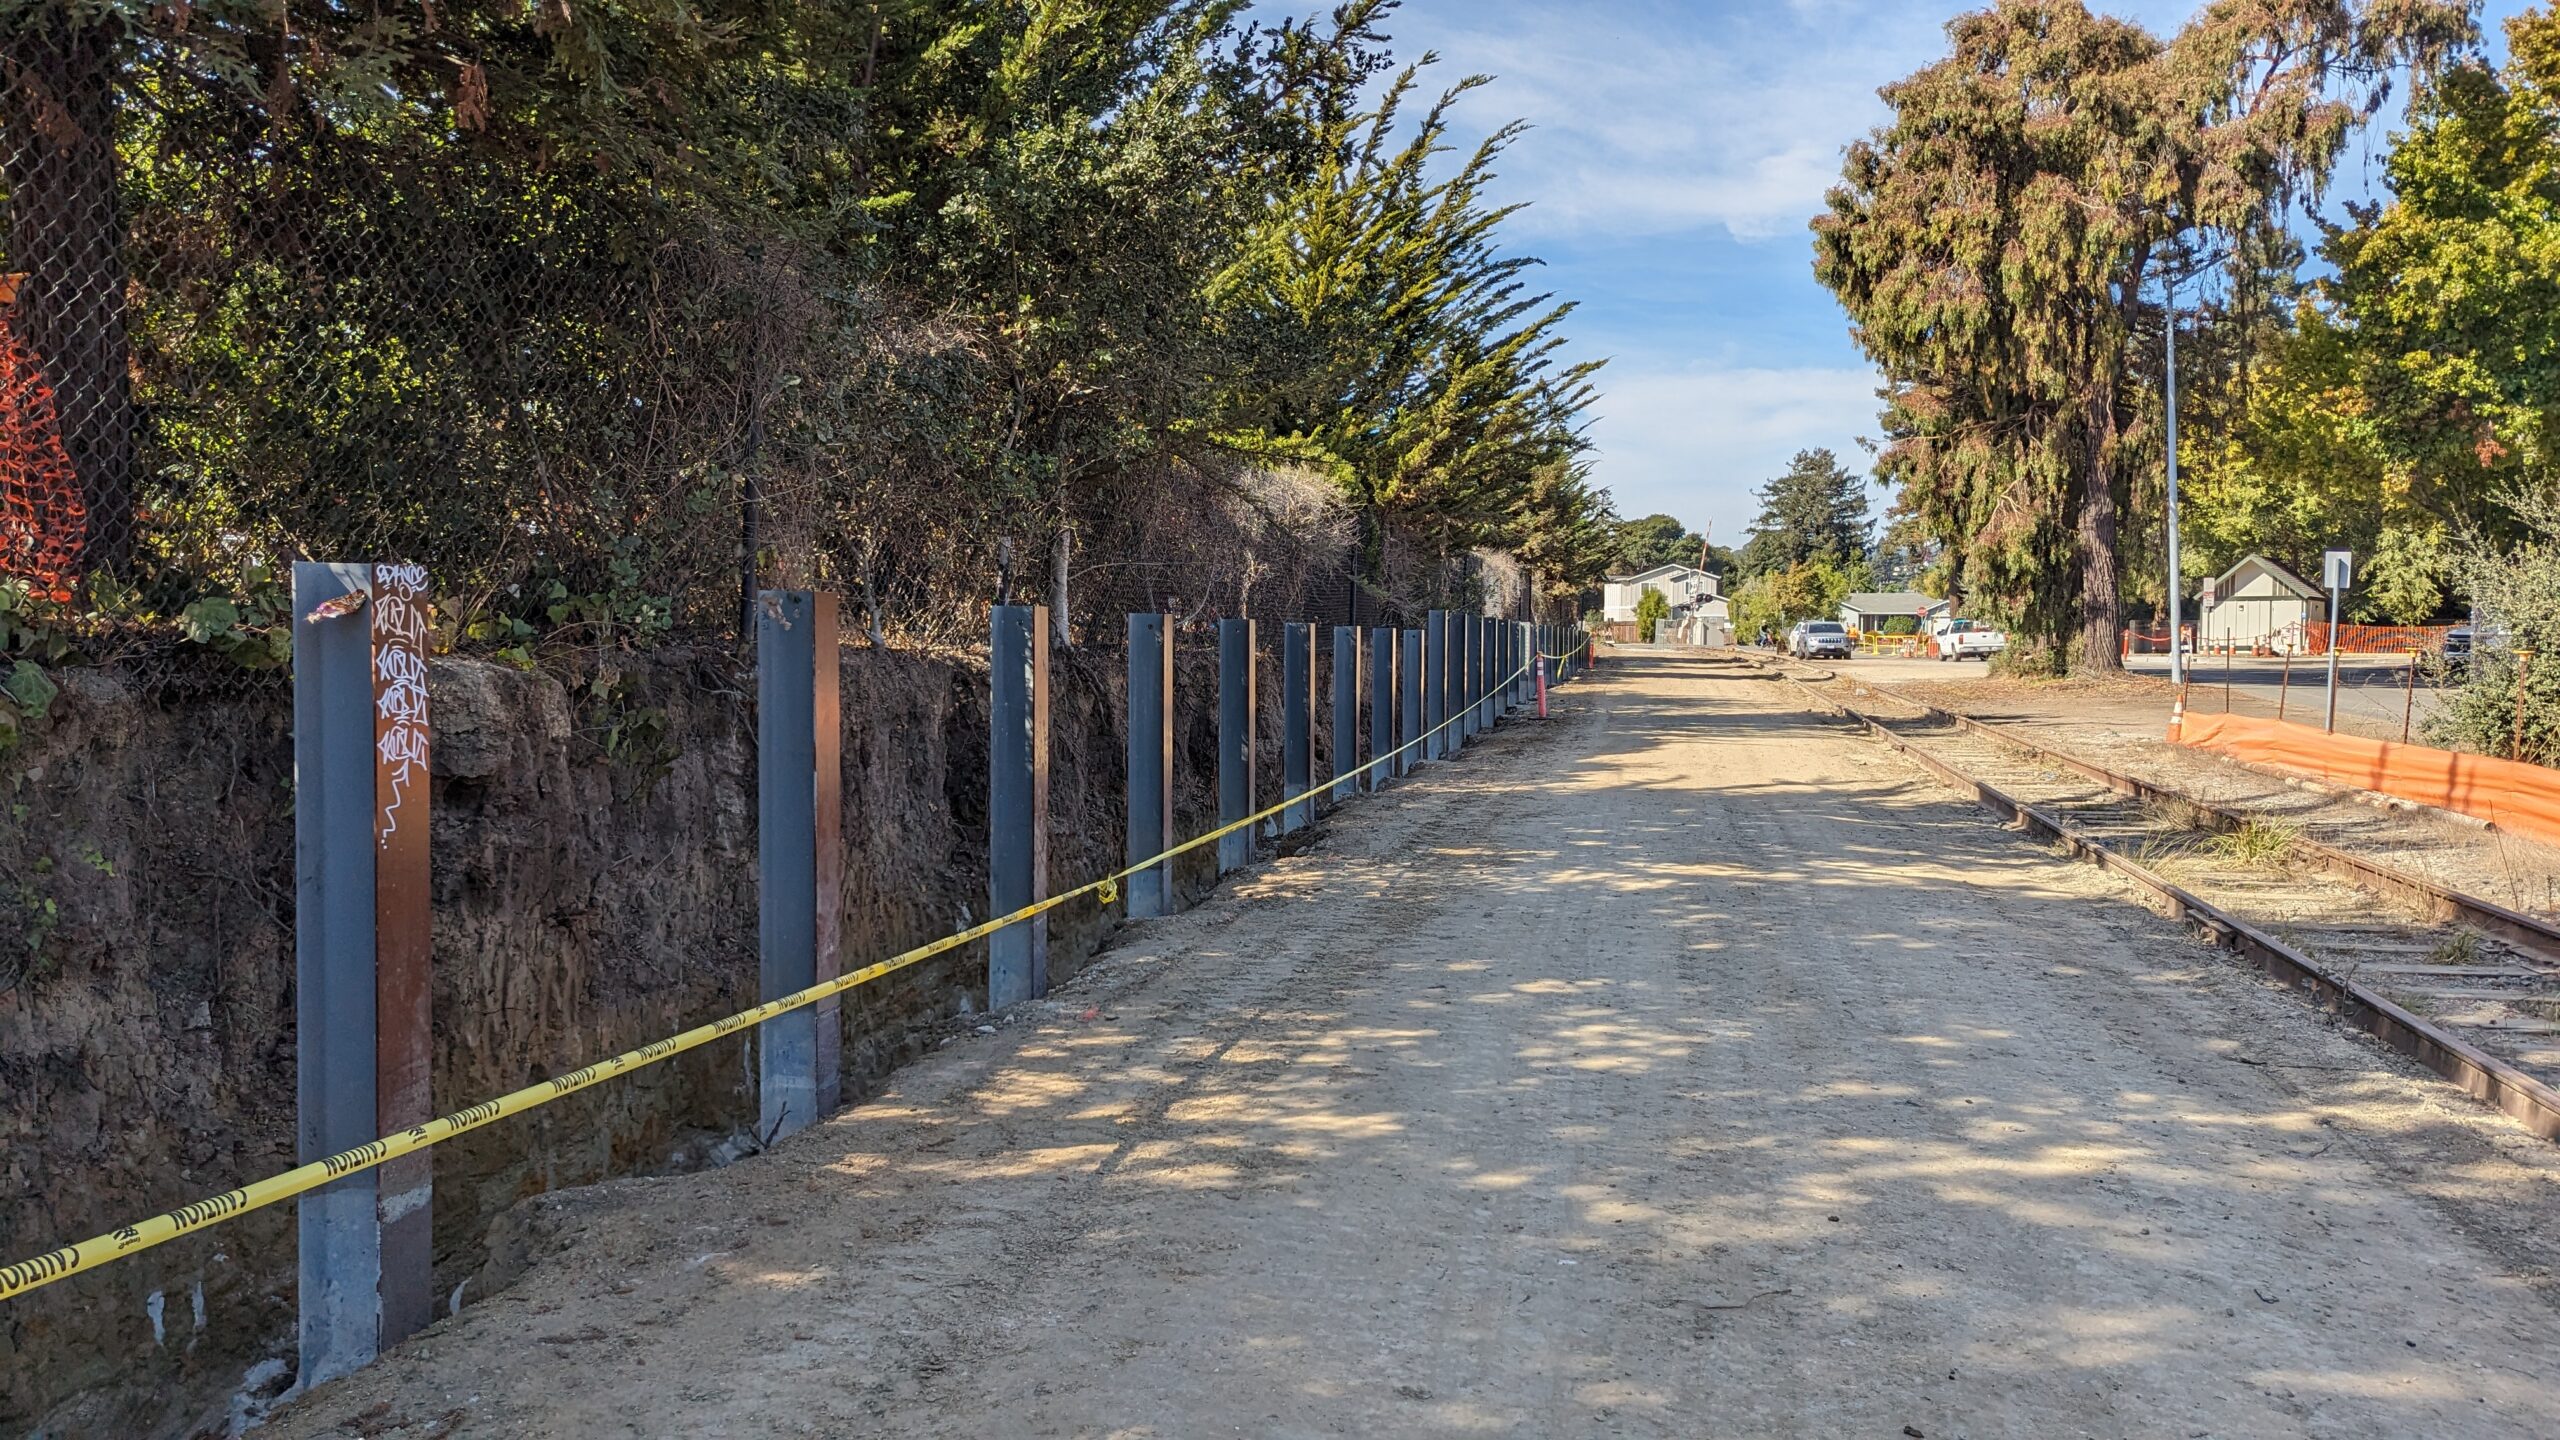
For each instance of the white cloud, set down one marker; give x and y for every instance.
(1654, 116)
(1663, 133)
(1646, 134)
(1696, 443)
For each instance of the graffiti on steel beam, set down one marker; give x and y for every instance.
(400, 686)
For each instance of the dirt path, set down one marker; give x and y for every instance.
(1685, 1067)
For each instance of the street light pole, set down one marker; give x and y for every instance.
(2177, 582)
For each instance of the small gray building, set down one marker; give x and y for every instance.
(2259, 606)
(1867, 610)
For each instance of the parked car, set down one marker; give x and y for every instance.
(1953, 639)
(2463, 641)
(1815, 639)
(2457, 649)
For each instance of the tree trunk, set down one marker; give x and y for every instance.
(57, 127)
(2097, 649)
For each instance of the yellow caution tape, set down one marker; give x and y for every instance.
(43, 1270)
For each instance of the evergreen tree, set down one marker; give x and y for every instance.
(1816, 511)
(1563, 532)
(1991, 244)
(656, 304)
(1905, 555)
(1653, 540)
(1406, 355)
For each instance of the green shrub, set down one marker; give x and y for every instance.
(1651, 610)
(2516, 595)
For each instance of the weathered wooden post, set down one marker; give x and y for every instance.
(2524, 666)
(2408, 696)
(362, 944)
(1346, 712)
(1382, 706)
(1150, 763)
(1235, 741)
(1297, 723)
(1018, 802)
(1435, 684)
(799, 853)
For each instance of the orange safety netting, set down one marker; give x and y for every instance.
(43, 523)
(2377, 639)
(2508, 793)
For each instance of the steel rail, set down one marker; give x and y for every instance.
(2485, 1077)
(2440, 902)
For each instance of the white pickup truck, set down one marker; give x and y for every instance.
(1951, 639)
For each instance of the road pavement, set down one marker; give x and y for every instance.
(2375, 692)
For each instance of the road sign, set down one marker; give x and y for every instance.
(2337, 567)
(2211, 592)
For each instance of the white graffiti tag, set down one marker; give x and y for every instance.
(399, 685)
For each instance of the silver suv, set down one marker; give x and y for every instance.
(1814, 639)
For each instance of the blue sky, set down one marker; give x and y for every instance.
(1678, 151)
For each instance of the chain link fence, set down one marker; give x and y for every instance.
(235, 334)
(242, 324)
(233, 339)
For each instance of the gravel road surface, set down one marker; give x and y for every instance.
(1681, 1066)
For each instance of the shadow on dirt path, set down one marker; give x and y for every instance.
(1680, 1066)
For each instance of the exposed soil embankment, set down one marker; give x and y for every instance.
(595, 888)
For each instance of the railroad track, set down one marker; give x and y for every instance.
(2464, 985)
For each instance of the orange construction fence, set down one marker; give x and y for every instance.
(2507, 793)
(2154, 641)
(2377, 639)
(43, 521)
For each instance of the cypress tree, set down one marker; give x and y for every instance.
(1992, 240)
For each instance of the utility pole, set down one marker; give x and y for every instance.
(2177, 582)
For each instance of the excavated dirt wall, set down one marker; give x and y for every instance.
(595, 888)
